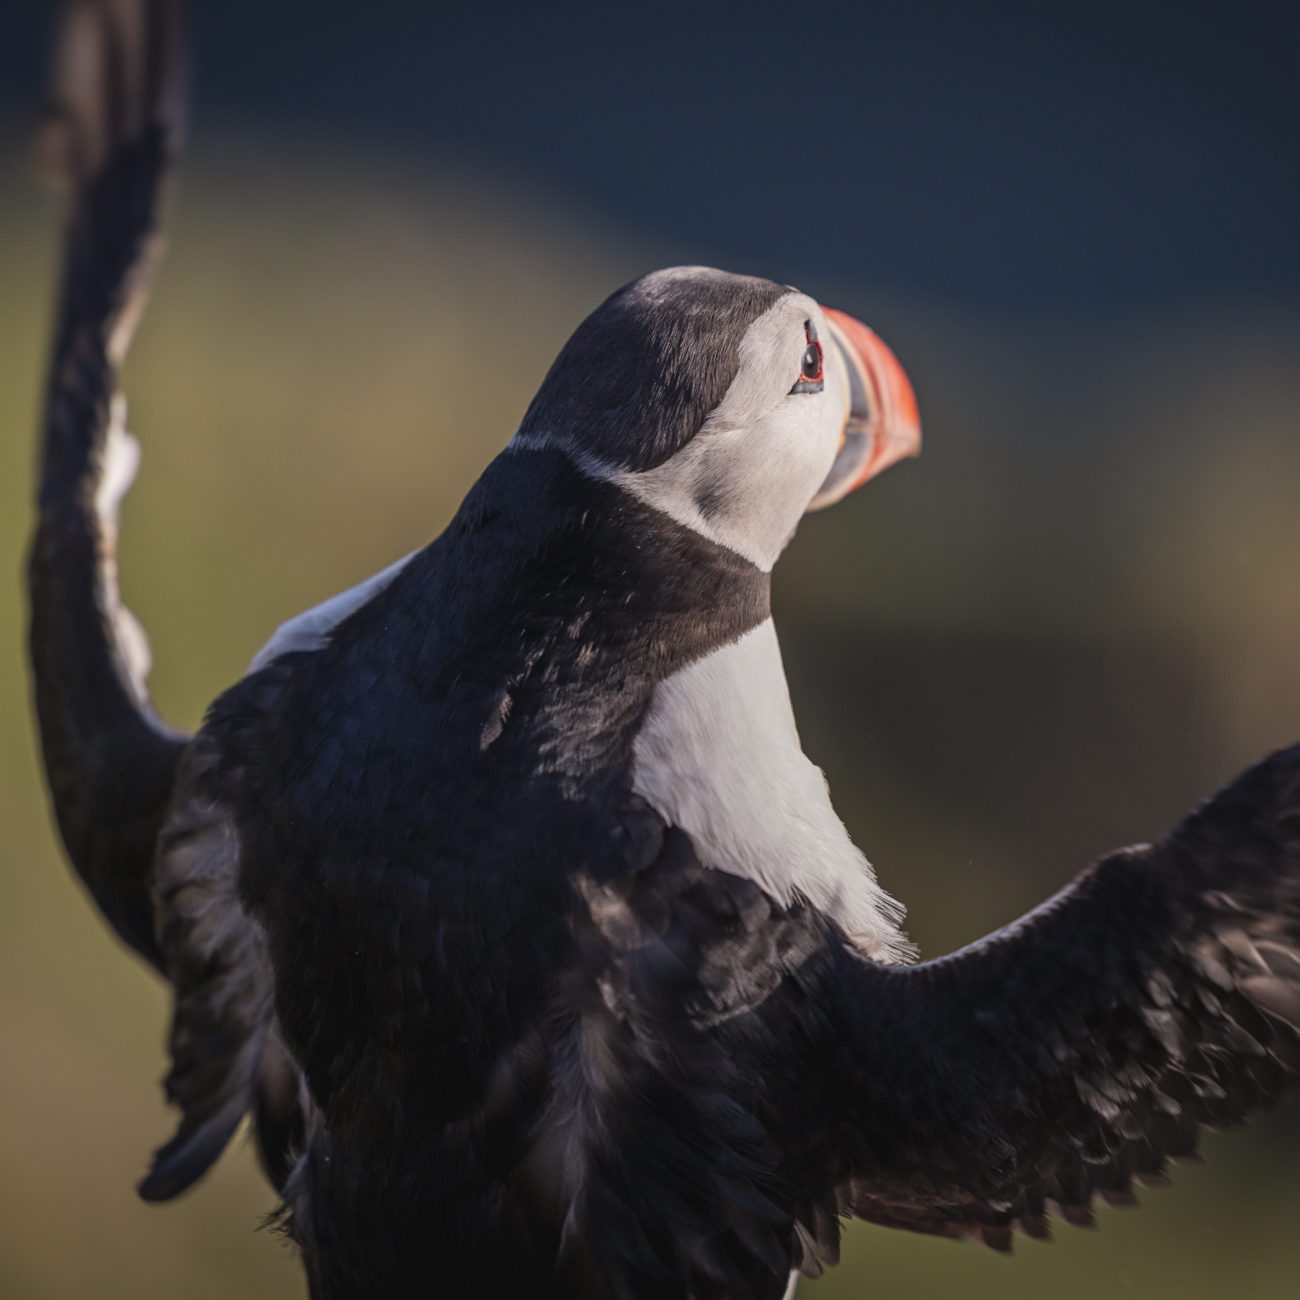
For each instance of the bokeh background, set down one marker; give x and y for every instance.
(1076, 615)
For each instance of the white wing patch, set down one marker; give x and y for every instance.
(719, 756)
(310, 630)
(117, 471)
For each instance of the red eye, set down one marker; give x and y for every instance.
(810, 368)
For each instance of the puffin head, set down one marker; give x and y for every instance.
(732, 404)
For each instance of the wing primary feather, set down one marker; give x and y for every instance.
(110, 761)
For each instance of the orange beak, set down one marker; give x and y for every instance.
(883, 424)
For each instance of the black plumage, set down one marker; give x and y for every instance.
(113, 135)
(499, 1024)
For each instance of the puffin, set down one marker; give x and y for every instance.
(499, 895)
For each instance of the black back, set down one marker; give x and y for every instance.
(470, 731)
(417, 806)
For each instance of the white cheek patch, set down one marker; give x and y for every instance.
(719, 756)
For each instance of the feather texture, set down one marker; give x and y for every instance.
(113, 136)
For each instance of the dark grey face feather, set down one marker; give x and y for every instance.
(639, 376)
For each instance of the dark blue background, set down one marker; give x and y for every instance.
(1012, 157)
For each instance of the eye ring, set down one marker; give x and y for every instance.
(812, 364)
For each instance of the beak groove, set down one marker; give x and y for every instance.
(884, 424)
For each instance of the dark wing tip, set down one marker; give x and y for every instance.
(180, 1163)
(120, 74)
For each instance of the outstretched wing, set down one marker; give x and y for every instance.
(746, 1078)
(1082, 1048)
(129, 793)
(112, 140)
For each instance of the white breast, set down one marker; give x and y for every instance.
(719, 756)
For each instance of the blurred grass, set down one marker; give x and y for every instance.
(1071, 619)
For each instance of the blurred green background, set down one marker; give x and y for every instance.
(1073, 617)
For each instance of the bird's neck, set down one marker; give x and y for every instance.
(562, 602)
(570, 565)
